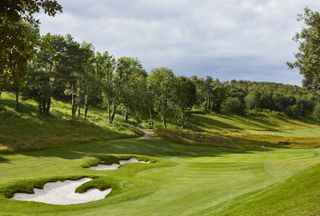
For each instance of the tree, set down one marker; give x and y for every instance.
(130, 82)
(17, 59)
(316, 112)
(280, 102)
(25, 9)
(219, 94)
(105, 68)
(16, 25)
(86, 78)
(207, 93)
(294, 110)
(44, 77)
(184, 97)
(161, 82)
(233, 106)
(71, 70)
(252, 100)
(308, 55)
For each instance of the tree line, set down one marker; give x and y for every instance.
(58, 67)
(64, 69)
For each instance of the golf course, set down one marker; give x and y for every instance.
(260, 177)
(159, 108)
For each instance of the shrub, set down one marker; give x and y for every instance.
(294, 110)
(233, 105)
(316, 112)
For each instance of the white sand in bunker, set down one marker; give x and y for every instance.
(63, 193)
(115, 166)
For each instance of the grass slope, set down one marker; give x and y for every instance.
(254, 130)
(185, 180)
(26, 130)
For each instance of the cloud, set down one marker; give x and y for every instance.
(241, 39)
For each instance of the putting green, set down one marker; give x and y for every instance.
(184, 180)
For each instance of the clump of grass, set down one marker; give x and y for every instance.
(100, 159)
(27, 186)
(98, 183)
(110, 159)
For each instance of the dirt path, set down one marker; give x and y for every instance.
(148, 133)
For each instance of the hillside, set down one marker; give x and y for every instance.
(256, 129)
(26, 130)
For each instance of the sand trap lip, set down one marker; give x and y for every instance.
(63, 193)
(115, 166)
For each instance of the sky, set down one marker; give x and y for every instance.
(225, 39)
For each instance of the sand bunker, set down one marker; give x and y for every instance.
(63, 193)
(115, 166)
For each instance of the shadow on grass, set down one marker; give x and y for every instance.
(148, 147)
(24, 108)
(23, 132)
(3, 160)
(197, 121)
(306, 120)
(257, 122)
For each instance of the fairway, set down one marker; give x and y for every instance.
(182, 180)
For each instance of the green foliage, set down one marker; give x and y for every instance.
(18, 37)
(18, 9)
(316, 112)
(184, 98)
(210, 93)
(252, 100)
(131, 85)
(233, 106)
(105, 68)
(308, 55)
(162, 82)
(64, 69)
(294, 110)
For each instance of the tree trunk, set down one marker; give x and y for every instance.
(85, 107)
(17, 98)
(165, 113)
(79, 108)
(209, 103)
(182, 119)
(73, 103)
(44, 103)
(39, 105)
(113, 113)
(165, 121)
(109, 112)
(47, 110)
(126, 116)
(150, 117)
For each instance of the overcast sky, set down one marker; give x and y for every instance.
(226, 39)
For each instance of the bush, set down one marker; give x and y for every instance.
(233, 105)
(294, 111)
(316, 112)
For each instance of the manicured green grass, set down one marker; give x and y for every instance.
(218, 165)
(183, 180)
